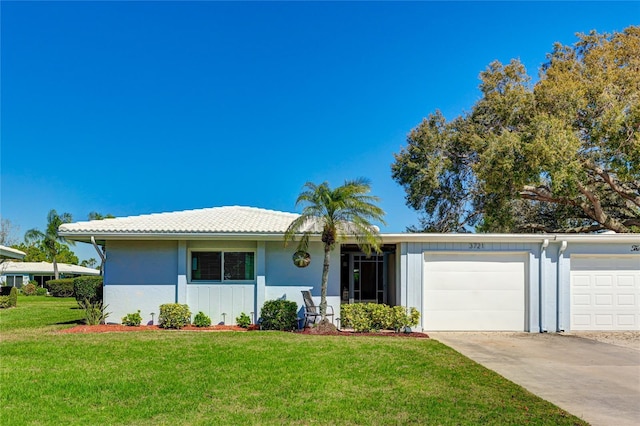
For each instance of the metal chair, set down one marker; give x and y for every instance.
(312, 311)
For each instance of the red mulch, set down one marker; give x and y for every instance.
(115, 328)
(109, 328)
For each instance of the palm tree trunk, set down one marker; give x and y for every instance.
(56, 274)
(325, 280)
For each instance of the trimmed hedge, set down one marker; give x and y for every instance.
(61, 288)
(364, 317)
(88, 288)
(279, 315)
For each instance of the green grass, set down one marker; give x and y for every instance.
(200, 378)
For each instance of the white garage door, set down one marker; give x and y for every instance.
(473, 292)
(605, 293)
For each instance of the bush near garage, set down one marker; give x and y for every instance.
(365, 317)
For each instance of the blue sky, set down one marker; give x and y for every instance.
(130, 108)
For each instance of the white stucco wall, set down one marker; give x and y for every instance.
(127, 299)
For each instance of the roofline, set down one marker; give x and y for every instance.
(11, 253)
(539, 238)
(386, 238)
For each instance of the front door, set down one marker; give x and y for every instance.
(367, 278)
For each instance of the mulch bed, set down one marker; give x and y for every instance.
(117, 328)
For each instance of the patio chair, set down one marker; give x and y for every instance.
(312, 311)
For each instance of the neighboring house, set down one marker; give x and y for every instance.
(228, 260)
(10, 253)
(17, 274)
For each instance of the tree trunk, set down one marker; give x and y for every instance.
(56, 274)
(325, 281)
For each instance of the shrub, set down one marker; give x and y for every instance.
(279, 315)
(243, 320)
(201, 320)
(29, 289)
(94, 312)
(5, 302)
(13, 297)
(133, 319)
(87, 287)
(364, 317)
(41, 291)
(174, 315)
(61, 288)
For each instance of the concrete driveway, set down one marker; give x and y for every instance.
(595, 381)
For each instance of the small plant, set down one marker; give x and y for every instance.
(174, 315)
(4, 302)
(201, 320)
(133, 320)
(243, 320)
(94, 312)
(41, 291)
(279, 315)
(29, 289)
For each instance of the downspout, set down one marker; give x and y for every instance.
(541, 291)
(100, 253)
(563, 247)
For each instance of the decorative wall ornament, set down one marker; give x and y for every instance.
(301, 259)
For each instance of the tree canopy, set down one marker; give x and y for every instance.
(49, 240)
(560, 155)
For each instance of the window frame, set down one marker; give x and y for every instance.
(222, 252)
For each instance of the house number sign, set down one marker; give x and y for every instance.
(476, 246)
(635, 247)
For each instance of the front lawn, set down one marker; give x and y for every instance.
(204, 378)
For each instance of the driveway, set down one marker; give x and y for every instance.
(598, 382)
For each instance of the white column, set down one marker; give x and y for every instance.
(261, 281)
(181, 290)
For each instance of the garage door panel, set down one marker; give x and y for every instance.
(475, 300)
(468, 291)
(605, 293)
(483, 320)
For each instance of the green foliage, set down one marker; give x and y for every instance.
(133, 319)
(61, 288)
(201, 320)
(88, 287)
(279, 315)
(94, 312)
(13, 297)
(244, 320)
(174, 315)
(29, 289)
(365, 317)
(562, 155)
(5, 302)
(41, 291)
(36, 252)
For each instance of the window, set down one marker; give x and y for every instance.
(14, 281)
(222, 266)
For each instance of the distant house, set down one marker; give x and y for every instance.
(17, 274)
(228, 260)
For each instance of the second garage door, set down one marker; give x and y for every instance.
(605, 292)
(474, 292)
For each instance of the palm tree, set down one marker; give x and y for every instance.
(347, 210)
(50, 238)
